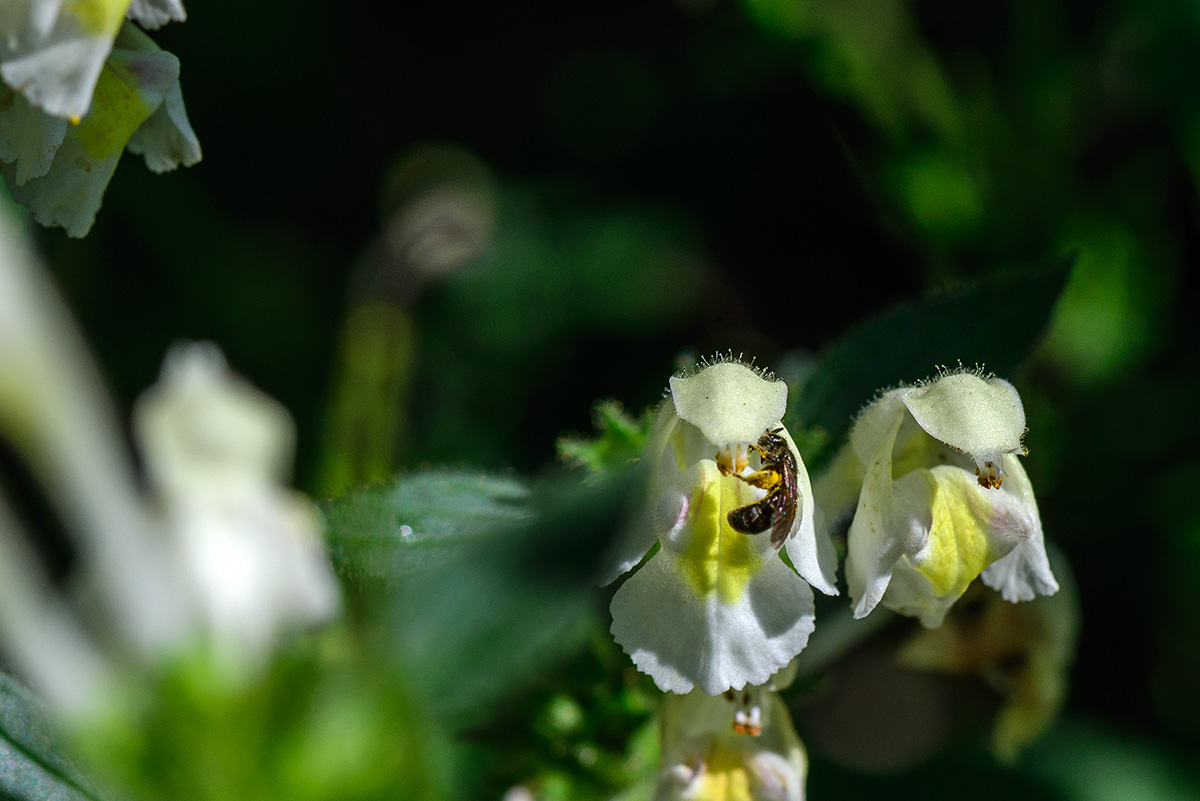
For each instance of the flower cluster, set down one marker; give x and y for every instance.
(81, 85)
(938, 498)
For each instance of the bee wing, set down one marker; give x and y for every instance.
(782, 525)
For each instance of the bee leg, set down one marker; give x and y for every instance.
(764, 479)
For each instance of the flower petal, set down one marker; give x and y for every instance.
(981, 418)
(729, 402)
(207, 432)
(873, 546)
(29, 138)
(684, 642)
(665, 505)
(254, 570)
(57, 69)
(1025, 572)
(715, 608)
(129, 89)
(875, 422)
(809, 546)
(41, 637)
(152, 14)
(962, 528)
(837, 487)
(166, 140)
(704, 758)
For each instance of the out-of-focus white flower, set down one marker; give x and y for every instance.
(716, 608)
(38, 633)
(222, 553)
(166, 139)
(154, 14)
(55, 413)
(53, 52)
(60, 170)
(942, 499)
(739, 746)
(216, 453)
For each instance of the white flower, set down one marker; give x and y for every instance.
(60, 170)
(943, 499)
(53, 52)
(216, 451)
(220, 553)
(54, 411)
(156, 13)
(732, 747)
(716, 608)
(41, 637)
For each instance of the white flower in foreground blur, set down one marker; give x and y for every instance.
(943, 499)
(716, 608)
(739, 746)
(53, 52)
(59, 420)
(60, 170)
(216, 451)
(220, 553)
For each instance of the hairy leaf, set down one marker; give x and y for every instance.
(419, 520)
(486, 582)
(32, 766)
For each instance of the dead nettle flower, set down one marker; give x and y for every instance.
(716, 608)
(58, 418)
(53, 52)
(738, 746)
(81, 88)
(220, 553)
(217, 452)
(941, 498)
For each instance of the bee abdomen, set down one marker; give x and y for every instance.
(753, 519)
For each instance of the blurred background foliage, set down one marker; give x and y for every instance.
(439, 234)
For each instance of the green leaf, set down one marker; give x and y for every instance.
(994, 325)
(485, 582)
(32, 766)
(419, 520)
(1085, 758)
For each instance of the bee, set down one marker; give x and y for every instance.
(777, 509)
